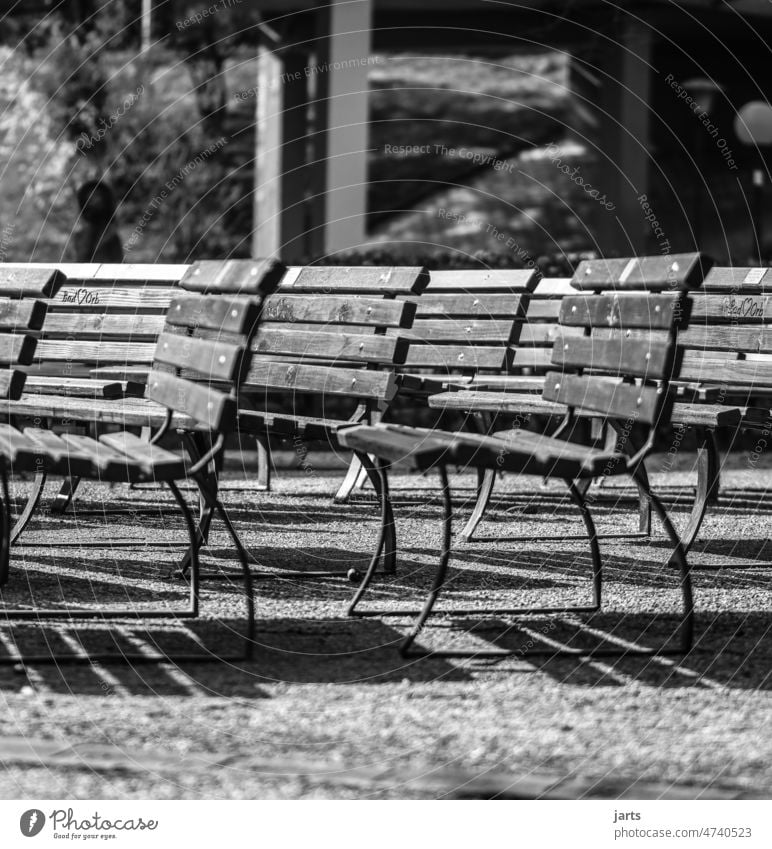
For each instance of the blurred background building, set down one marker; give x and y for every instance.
(515, 133)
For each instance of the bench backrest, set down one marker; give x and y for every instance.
(103, 315)
(22, 314)
(467, 320)
(628, 310)
(336, 332)
(203, 353)
(728, 343)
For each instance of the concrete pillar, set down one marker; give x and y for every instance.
(340, 95)
(282, 174)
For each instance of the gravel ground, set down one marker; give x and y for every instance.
(327, 695)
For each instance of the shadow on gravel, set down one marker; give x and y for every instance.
(287, 650)
(731, 650)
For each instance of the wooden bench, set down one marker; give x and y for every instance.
(320, 370)
(205, 335)
(102, 317)
(465, 323)
(95, 352)
(620, 368)
(699, 405)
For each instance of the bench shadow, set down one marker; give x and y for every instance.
(288, 650)
(731, 650)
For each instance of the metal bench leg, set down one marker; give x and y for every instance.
(131, 614)
(407, 648)
(5, 531)
(623, 441)
(264, 463)
(349, 482)
(214, 503)
(65, 496)
(387, 539)
(707, 485)
(686, 622)
(387, 536)
(715, 469)
(195, 447)
(486, 479)
(680, 551)
(38, 485)
(356, 474)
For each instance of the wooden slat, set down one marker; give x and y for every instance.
(209, 358)
(553, 287)
(101, 325)
(367, 348)
(454, 357)
(500, 280)
(206, 405)
(353, 383)
(619, 400)
(12, 383)
(234, 276)
(21, 315)
(655, 312)
(542, 310)
(468, 306)
(738, 281)
(543, 335)
(508, 382)
(725, 369)
(508, 402)
(648, 356)
(532, 358)
(711, 337)
(648, 273)
(125, 412)
(27, 282)
(471, 331)
(94, 352)
(338, 309)
(98, 298)
(151, 458)
(362, 280)
(731, 309)
(14, 446)
(17, 348)
(54, 454)
(145, 273)
(75, 387)
(107, 463)
(224, 314)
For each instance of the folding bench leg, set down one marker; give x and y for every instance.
(38, 485)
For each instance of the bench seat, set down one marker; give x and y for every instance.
(520, 451)
(129, 412)
(710, 415)
(116, 457)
